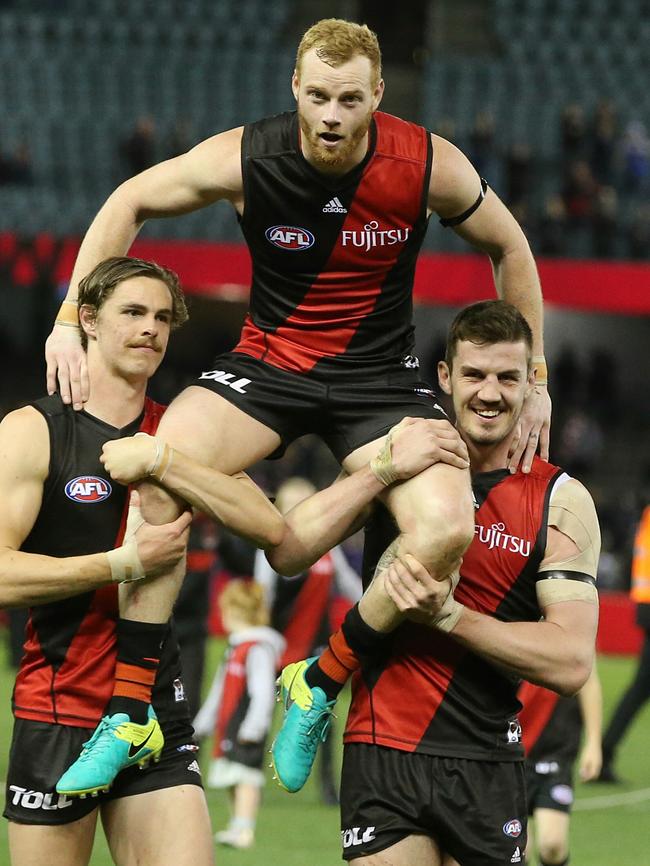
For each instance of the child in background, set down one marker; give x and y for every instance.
(240, 705)
(552, 727)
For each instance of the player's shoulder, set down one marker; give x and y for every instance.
(31, 418)
(401, 139)
(24, 439)
(275, 134)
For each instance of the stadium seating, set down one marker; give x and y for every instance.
(75, 76)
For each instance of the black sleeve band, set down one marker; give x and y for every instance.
(457, 220)
(567, 575)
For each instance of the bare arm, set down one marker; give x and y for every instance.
(234, 501)
(322, 521)
(492, 229)
(590, 697)
(31, 578)
(557, 652)
(209, 172)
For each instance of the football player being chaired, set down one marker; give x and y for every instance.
(334, 201)
(433, 762)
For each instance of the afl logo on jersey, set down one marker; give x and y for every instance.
(290, 238)
(512, 828)
(88, 488)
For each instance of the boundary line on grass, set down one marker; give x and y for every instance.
(608, 802)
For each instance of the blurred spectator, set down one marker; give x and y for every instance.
(638, 692)
(17, 168)
(566, 377)
(182, 137)
(603, 144)
(138, 150)
(603, 387)
(552, 232)
(553, 727)
(482, 150)
(573, 132)
(301, 608)
(605, 223)
(518, 174)
(638, 234)
(192, 606)
(635, 150)
(579, 193)
(239, 707)
(581, 444)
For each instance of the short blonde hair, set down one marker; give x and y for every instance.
(245, 600)
(336, 41)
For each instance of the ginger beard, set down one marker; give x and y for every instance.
(331, 157)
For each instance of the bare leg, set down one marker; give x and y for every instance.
(170, 827)
(434, 512)
(212, 431)
(410, 851)
(246, 802)
(41, 845)
(552, 833)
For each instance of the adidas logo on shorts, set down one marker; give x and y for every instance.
(194, 767)
(335, 205)
(516, 857)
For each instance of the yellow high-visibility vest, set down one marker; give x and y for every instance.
(640, 591)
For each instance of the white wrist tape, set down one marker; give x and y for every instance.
(162, 459)
(124, 561)
(447, 617)
(381, 466)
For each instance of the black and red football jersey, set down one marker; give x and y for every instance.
(333, 257)
(300, 610)
(235, 700)
(551, 725)
(66, 673)
(429, 694)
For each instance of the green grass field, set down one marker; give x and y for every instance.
(610, 827)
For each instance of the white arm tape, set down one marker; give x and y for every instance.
(381, 466)
(124, 561)
(447, 617)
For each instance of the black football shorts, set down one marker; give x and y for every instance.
(346, 412)
(474, 810)
(40, 754)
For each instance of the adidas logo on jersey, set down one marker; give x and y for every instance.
(335, 205)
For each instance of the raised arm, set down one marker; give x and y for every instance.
(454, 189)
(209, 172)
(31, 578)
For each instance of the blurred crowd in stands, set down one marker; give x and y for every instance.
(596, 199)
(590, 201)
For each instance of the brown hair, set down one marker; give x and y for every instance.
(101, 282)
(245, 599)
(486, 323)
(336, 41)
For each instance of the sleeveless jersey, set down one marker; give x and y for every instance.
(66, 673)
(551, 725)
(234, 703)
(429, 694)
(300, 610)
(333, 257)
